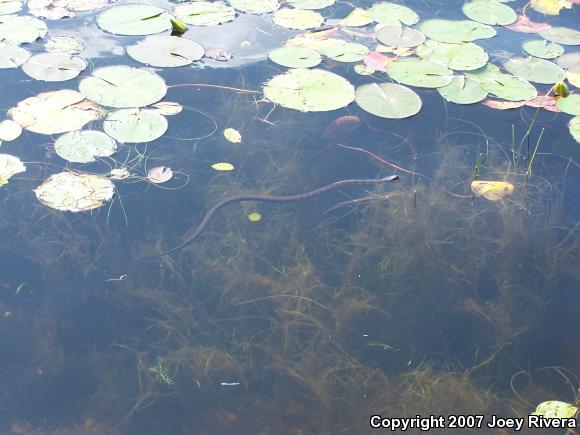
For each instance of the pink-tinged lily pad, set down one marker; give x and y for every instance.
(218, 54)
(544, 102)
(503, 105)
(524, 25)
(160, 174)
(52, 13)
(377, 61)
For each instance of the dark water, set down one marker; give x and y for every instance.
(406, 299)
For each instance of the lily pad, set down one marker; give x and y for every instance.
(465, 56)
(68, 191)
(204, 13)
(64, 44)
(86, 5)
(166, 51)
(399, 36)
(135, 125)
(167, 108)
(55, 112)
(83, 146)
(561, 35)
(298, 19)
(508, 87)
(309, 90)
(550, 7)
(20, 29)
(254, 217)
(309, 4)
(543, 49)
(223, 166)
(393, 14)
(574, 127)
(255, 6)
(9, 166)
(123, 86)
(489, 12)
(463, 90)
(232, 135)
(10, 6)
(9, 130)
(492, 190)
(556, 409)
(12, 56)
(388, 100)
(357, 18)
(570, 104)
(420, 73)
(295, 57)
(535, 70)
(159, 174)
(134, 20)
(54, 67)
(348, 52)
(455, 32)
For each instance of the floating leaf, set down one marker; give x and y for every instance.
(9, 166)
(204, 13)
(421, 73)
(556, 409)
(160, 174)
(9, 130)
(295, 57)
(68, 191)
(12, 56)
(388, 100)
(465, 56)
(377, 61)
(463, 90)
(544, 102)
(54, 67)
(52, 13)
(84, 146)
(254, 217)
(456, 31)
(503, 105)
(562, 35)
(9, 6)
(399, 36)
(55, 112)
(232, 135)
(543, 49)
(507, 87)
(574, 127)
(19, 30)
(492, 190)
(357, 18)
(298, 19)
(134, 20)
(309, 90)
(489, 12)
(255, 6)
(570, 104)
(85, 5)
(550, 7)
(341, 127)
(64, 44)
(167, 108)
(393, 14)
(165, 51)
(524, 25)
(223, 166)
(364, 70)
(309, 4)
(348, 52)
(123, 86)
(535, 70)
(119, 174)
(135, 125)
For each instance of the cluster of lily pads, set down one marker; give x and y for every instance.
(387, 43)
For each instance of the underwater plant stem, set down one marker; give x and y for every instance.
(208, 85)
(270, 198)
(529, 171)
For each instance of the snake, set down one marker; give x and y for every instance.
(270, 198)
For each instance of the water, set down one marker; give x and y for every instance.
(405, 299)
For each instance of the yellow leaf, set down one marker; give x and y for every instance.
(357, 18)
(232, 135)
(223, 166)
(254, 217)
(492, 190)
(550, 7)
(573, 78)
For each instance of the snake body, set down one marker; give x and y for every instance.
(271, 198)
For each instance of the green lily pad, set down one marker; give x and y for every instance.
(388, 100)
(69, 191)
(83, 146)
(543, 49)
(574, 126)
(570, 62)
(310, 4)
(295, 57)
(489, 12)
(508, 87)
(561, 35)
(166, 51)
(54, 67)
(204, 13)
(348, 52)
(309, 90)
(12, 56)
(535, 70)
(9, 166)
(9, 130)
(392, 14)
(358, 17)
(298, 19)
(463, 90)
(420, 73)
(255, 6)
(10, 6)
(465, 56)
(64, 44)
(556, 409)
(135, 125)
(399, 36)
(455, 32)
(134, 20)
(19, 30)
(123, 86)
(569, 104)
